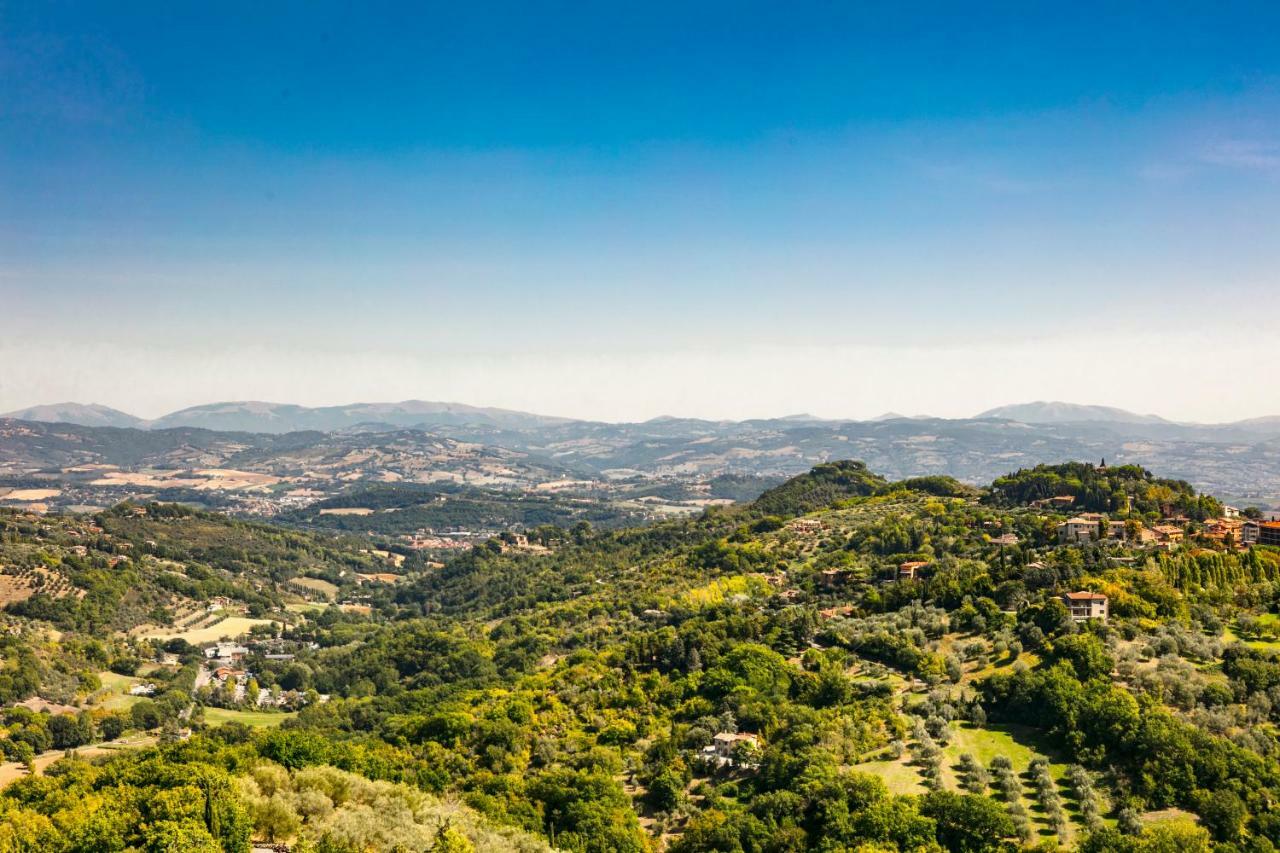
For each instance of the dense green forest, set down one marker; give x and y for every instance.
(761, 677)
(1104, 489)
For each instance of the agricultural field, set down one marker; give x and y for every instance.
(20, 584)
(30, 494)
(306, 606)
(253, 719)
(232, 626)
(319, 585)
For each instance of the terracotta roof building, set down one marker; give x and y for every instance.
(1269, 533)
(1085, 605)
(910, 570)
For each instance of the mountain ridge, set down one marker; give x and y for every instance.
(1057, 412)
(1243, 464)
(278, 418)
(82, 414)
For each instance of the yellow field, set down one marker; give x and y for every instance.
(1169, 816)
(232, 626)
(31, 494)
(208, 479)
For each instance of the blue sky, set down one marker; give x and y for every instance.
(623, 210)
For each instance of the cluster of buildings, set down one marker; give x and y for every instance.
(458, 540)
(808, 526)
(907, 571)
(1171, 532)
(520, 542)
(225, 654)
(1093, 526)
(837, 577)
(224, 667)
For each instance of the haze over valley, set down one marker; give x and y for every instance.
(304, 464)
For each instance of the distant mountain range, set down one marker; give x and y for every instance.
(1042, 412)
(276, 418)
(82, 414)
(423, 441)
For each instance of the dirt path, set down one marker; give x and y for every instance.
(12, 771)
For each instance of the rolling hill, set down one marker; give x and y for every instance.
(1238, 462)
(82, 414)
(280, 417)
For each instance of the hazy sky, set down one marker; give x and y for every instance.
(625, 210)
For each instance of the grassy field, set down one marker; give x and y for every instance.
(898, 775)
(256, 719)
(232, 626)
(1020, 744)
(1230, 636)
(306, 606)
(116, 689)
(324, 587)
